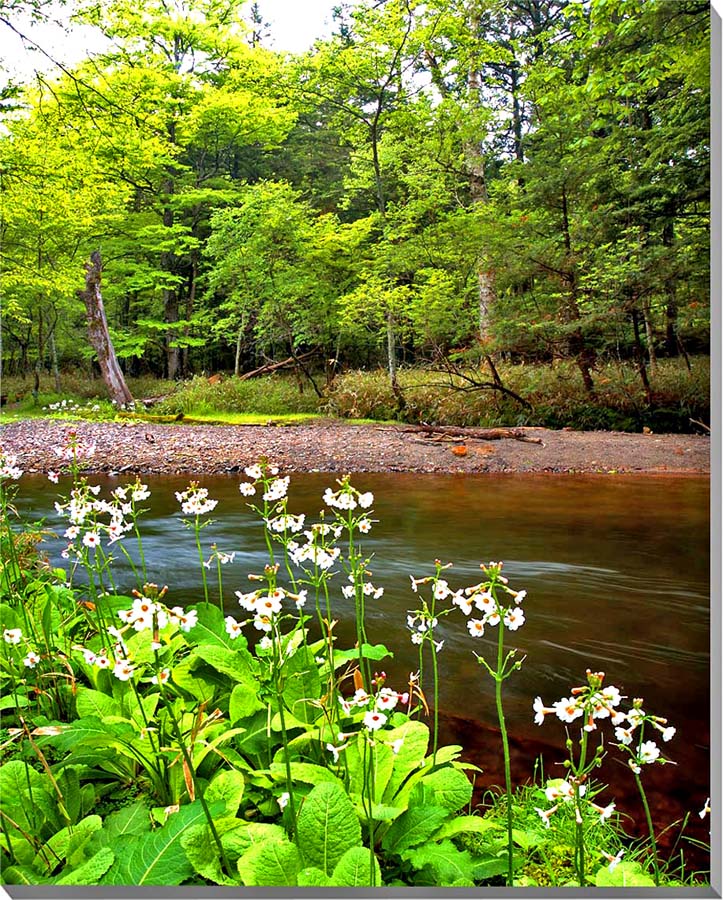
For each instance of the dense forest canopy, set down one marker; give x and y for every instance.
(518, 177)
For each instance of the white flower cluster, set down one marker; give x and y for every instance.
(9, 466)
(348, 498)
(195, 501)
(83, 510)
(591, 702)
(14, 636)
(64, 406)
(114, 658)
(640, 752)
(562, 791)
(146, 613)
(376, 705)
(263, 605)
(368, 589)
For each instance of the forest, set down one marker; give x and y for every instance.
(467, 184)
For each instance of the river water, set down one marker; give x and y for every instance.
(616, 570)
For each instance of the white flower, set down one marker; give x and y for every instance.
(277, 489)
(88, 656)
(248, 490)
(562, 791)
(541, 710)
(606, 811)
(415, 582)
(53, 476)
(634, 767)
(668, 733)
(233, 628)
(268, 606)
(614, 861)
(12, 635)
(91, 539)
(624, 735)
(397, 745)
(253, 472)
(416, 637)
(706, 809)
(476, 627)
(247, 601)
(366, 499)
(262, 623)
(518, 595)
(485, 603)
(514, 619)
(545, 814)
(387, 699)
(348, 590)
(283, 800)
(162, 677)
(300, 598)
(365, 526)
(648, 752)
(122, 670)
(374, 720)
(336, 750)
(567, 709)
(441, 589)
(188, 620)
(464, 603)
(31, 660)
(102, 661)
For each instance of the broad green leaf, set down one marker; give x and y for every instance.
(157, 857)
(451, 788)
(447, 864)
(59, 845)
(409, 756)
(236, 664)
(196, 685)
(302, 685)
(313, 877)
(327, 826)
(90, 731)
(133, 819)
(306, 773)
(244, 701)
(625, 874)
(413, 827)
(376, 652)
(27, 795)
(200, 848)
(90, 872)
(467, 825)
(23, 875)
(211, 629)
(357, 868)
(358, 754)
(94, 703)
(273, 863)
(228, 787)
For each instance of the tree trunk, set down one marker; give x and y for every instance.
(650, 337)
(237, 361)
(577, 345)
(54, 360)
(98, 333)
(639, 357)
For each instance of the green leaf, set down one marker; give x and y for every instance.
(467, 825)
(306, 773)
(228, 787)
(302, 686)
(313, 877)
(625, 874)
(447, 864)
(157, 857)
(23, 875)
(244, 701)
(94, 703)
(327, 826)
(67, 840)
(26, 794)
(451, 788)
(273, 863)
(357, 759)
(413, 827)
(355, 869)
(376, 652)
(201, 850)
(210, 629)
(91, 871)
(410, 755)
(133, 819)
(238, 665)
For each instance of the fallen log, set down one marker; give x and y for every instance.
(486, 434)
(272, 367)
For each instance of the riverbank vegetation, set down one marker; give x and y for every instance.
(145, 742)
(515, 193)
(549, 396)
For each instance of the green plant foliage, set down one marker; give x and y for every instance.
(327, 826)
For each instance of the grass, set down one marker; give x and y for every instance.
(556, 396)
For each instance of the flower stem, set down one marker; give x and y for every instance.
(505, 751)
(651, 830)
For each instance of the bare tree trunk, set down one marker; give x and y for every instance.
(98, 333)
(649, 337)
(639, 357)
(54, 360)
(237, 361)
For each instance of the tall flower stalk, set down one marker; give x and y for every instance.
(489, 597)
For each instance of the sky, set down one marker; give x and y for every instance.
(295, 24)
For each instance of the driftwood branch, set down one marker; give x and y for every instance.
(272, 367)
(486, 434)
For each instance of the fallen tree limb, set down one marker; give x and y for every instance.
(487, 434)
(272, 367)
